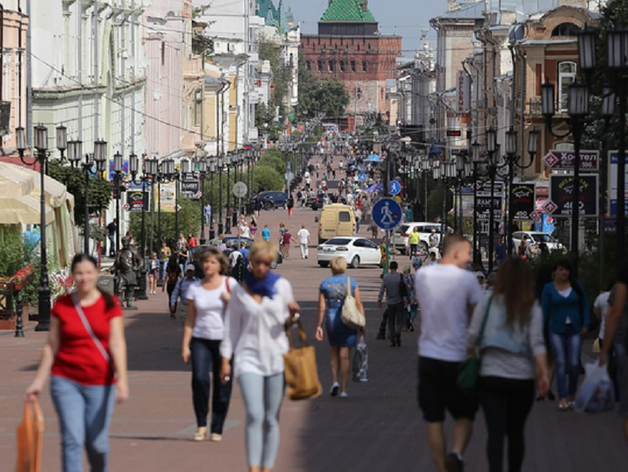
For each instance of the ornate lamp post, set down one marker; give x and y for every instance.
(228, 159)
(212, 171)
(220, 163)
(491, 148)
(41, 146)
(202, 172)
(145, 182)
(117, 182)
(476, 158)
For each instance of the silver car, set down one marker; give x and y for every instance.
(534, 239)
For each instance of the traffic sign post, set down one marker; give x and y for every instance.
(387, 214)
(362, 177)
(239, 190)
(394, 187)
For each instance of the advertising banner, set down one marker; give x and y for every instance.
(560, 199)
(523, 200)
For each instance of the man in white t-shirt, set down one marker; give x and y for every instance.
(447, 295)
(303, 236)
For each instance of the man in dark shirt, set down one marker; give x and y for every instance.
(111, 235)
(395, 293)
(500, 251)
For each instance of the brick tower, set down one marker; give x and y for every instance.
(349, 47)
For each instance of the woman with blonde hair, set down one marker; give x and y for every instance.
(509, 324)
(258, 313)
(331, 297)
(203, 332)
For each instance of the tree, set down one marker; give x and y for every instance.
(189, 222)
(316, 95)
(282, 78)
(100, 191)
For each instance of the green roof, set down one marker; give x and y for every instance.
(347, 10)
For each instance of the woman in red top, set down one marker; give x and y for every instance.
(84, 350)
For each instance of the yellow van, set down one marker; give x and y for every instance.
(335, 220)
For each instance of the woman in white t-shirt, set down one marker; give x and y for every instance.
(254, 336)
(202, 334)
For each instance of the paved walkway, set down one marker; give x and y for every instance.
(378, 428)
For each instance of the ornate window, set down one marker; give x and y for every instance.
(352, 66)
(566, 77)
(342, 66)
(320, 66)
(363, 66)
(332, 65)
(565, 29)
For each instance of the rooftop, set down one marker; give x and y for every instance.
(340, 11)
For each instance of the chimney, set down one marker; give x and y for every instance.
(365, 6)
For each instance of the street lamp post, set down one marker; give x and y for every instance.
(475, 159)
(228, 161)
(220, 162)
(202, 172)
(41, 146)
(144, 182)
(117, 169)
(491, 148)
(212, 171)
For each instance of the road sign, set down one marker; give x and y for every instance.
(394, 187)
(177, 207)
(523, 200)
(454, 133)
(240, 189)
(387, 213)
(288, 176)
(563, 160)
(561, 190)
(362, 177)
(190, 189)
(135, 200)
(126, 206)
(288, 166)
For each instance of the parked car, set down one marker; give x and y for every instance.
(316, 202)
(235, 240)
(357, 251)
(400, 236)
(271, 200)
(535, 238)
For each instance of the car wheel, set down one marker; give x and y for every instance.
(423, 245)
(268, 206)
(273, 265)
(323, 264)
(355, 262)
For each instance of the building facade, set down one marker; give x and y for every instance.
(348, 47)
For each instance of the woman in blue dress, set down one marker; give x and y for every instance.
(331, 297)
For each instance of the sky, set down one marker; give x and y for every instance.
(405, 18)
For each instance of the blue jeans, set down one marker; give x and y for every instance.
(566, 348)
(205, 355)
(84, 416)
(112, 244)
(262, 399)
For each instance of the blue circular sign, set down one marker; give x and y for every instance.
(362, 177)
(394, 187)
(387, 213)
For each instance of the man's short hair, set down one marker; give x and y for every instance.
(451, 241)
(394, 265)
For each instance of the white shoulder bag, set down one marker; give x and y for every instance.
(351, 316)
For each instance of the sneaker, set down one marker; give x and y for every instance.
(344, 395)
(453, 463)
(335, 388)
(215, 437)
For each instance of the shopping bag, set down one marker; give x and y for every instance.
(29, 435)
(361, 362)
(300, 369)
(596, 394)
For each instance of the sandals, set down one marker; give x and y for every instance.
(201, 435)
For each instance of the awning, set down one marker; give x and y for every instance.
(23, 210)
(14, 182)
(373, 158)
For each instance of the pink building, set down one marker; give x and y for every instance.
(13, 96)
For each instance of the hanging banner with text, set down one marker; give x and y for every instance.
(190, 189)
(484, 208)
(168, 199)
(564, 160)
(612, 184)
(522, 203)
(561, 189)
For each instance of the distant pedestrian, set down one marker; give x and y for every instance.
(153, 273)
(245, 231)
(192, 245)
(257, 314)
(112, 229)
(253, 226)
(258, 207)
(393, 285)
(286, 239)
(331, 297)
(447, 295)
(566, 311)
(513, 354)
(414, 238)
(290, 205)
(207, 211)
(408, 214)
(202, 334)
(411, 301)
(164, 254)
(266, 233)
(173, 273)
(303, 236)
(86, 354)
(181, 292)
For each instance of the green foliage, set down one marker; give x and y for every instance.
(74, 179)
(316, 95)
(268, 177)
(282, 77)
(13, 253)
(189, 222)
(275, 159)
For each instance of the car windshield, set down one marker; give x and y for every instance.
(543, 238)
(338, 241)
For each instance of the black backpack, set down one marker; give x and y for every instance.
(403, 289)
